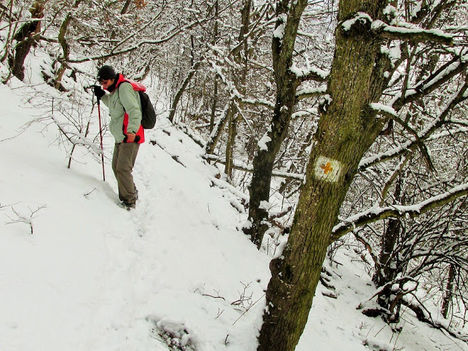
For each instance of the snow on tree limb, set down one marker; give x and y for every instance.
(310, 92)
(404, 31)
(257, 102)
(310, 73)
(375, 214)
(384, 109)
(413, 34)
(215, 133)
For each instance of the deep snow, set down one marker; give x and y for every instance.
(94, 276)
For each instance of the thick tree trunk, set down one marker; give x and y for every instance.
(264, 159)
(387, 271)
(346, 130)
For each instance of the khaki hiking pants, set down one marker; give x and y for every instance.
(123, 161)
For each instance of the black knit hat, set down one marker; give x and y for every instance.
(106, 72)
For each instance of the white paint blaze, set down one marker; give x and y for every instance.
(327, 169)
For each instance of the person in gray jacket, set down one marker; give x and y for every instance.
(125, 125)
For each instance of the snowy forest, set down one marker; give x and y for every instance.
(335, 124)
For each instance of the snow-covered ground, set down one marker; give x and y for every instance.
(94, 276)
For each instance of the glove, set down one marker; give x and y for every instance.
(131, 138)
(98, 92)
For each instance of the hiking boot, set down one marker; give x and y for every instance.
(128, 206)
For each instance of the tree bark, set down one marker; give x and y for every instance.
(347, 128)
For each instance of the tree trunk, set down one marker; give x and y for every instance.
(218, 128)
(214, 104)
(448, 295)
(286, 86)
(240, 83)
(125, 7)
(347, 128)
(182, 89)
(26, 36)
(232, 132)
(385, 267)
(388, 267)
(65, 48)
(215, 84)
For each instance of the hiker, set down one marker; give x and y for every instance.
(125, 113)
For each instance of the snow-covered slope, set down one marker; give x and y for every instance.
(94, 276)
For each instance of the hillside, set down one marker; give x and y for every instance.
(93, 276)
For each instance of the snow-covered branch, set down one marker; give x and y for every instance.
(258, 26)
(310, 92)
(375, 214)
(384, 109)
(257, 102)
(413, 34)
(310, 73)
(404, 31)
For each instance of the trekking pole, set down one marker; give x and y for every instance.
(100, 135)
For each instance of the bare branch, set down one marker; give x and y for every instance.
(26, 219)
(452, 68)
(245, 168)
(441, 120)
(167, 37)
